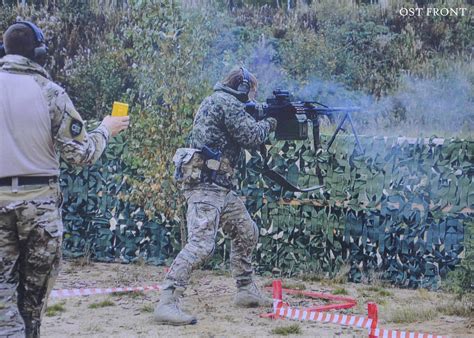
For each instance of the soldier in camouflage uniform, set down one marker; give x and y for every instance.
(37, 123)
(222, 124)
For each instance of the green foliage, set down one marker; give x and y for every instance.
(380, 291)
(98, 80)
(104, 303)
(54, 310)
(461, 280)
(340, 291)
(168, 87)
(147, 308)
(287, 330)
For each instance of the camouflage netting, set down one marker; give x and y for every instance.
(397, 212)
(99, 221)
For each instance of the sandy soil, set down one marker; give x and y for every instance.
(210, 298)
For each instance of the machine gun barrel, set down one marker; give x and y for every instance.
(337, 109)
(330, 110)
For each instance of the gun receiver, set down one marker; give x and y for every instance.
(294, 116)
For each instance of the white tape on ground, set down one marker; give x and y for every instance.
(99, 291)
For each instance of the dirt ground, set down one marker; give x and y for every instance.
(210, 298)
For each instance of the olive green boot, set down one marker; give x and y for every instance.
(250, 296)
(167, 311)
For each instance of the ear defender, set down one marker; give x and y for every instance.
(42, 49)
(244, 86)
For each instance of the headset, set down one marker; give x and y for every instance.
(244, 86)
(41, 50)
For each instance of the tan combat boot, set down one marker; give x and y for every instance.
(167, 311)
(250, 296)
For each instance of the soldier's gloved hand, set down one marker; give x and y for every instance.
(116, 124)
(273, 123)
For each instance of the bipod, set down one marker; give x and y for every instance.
(347, 116)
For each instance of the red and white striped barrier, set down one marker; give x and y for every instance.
(349, 320)
(283, 310)
(326, 317)
(384, 333)
(342, 302)
(99, 291)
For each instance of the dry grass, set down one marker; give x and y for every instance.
(85, 260)
(140, 261)
(412, 314)
(339, 278)
(374, 278)
(341, 275)
(424, 294)
(457, 307)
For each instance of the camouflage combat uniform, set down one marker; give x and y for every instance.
(222, 124)
(30, 215)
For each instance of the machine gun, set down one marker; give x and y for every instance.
(294, 116)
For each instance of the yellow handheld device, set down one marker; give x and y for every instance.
(119, 109)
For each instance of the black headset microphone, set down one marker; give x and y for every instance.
(38, 52)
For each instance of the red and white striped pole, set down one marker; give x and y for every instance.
(277, 297)
(373, 314)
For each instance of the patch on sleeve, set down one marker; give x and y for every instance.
(75, 128)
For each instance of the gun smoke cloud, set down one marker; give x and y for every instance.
(420, 107)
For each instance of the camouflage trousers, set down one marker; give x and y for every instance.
(211, 206)
(30, 242)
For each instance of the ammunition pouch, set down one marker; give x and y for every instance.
(188, 165)
(191, 166)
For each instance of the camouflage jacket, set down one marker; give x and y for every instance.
(70, 138)
(222, 123)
